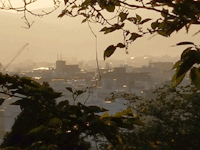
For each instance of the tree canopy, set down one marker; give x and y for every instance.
(44, 124)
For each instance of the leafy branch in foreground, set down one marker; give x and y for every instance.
(189, 58)
(174, 15)
(43, 124)
(170, 120)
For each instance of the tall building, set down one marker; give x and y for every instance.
(60, 66)
(63, 70)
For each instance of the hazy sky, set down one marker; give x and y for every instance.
(35, 5)
(50, 36)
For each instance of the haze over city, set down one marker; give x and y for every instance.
(99, 74)
(50, 35)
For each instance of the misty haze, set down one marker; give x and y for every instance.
(97, 75)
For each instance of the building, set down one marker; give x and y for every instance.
(63, 70)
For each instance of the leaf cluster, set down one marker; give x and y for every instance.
(189, 58)
(170, 120)
(43, 124)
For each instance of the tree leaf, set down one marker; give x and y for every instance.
(184, 66)
(97, 109)
(104, 29)
(132, 19)
(18, 102)
(139, 18)
(108, 30)
(55, 121)
(104, 115)
(79, 92)
(134, 36)
(145, 20)
(84, 20)
(185, 43)
(176, 80)
(154, 25)
(38, 129)
(109, 51)
(164, 12)
(137, 121)
(110, 7)
(177, 64)
(163, 33)
(85, 3)
(185, 53)
(1, 101)
(69, 89)
(120, 45)
(187, 63)
(123, 16)
(63, 103)
(62, 13)
(195, 76)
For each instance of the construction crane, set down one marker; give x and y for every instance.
(19, 52)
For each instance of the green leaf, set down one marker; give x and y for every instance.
(186, 63)
(154, 25)
(1, 101)
(109, 51)
(145, 20)
(164, 12)
(18, 102)
(97, 109)
(139, 18)
(38, 129)
(177, 64)
(84, 20)
(86, 3)
(134, 36)
(69, 89)
(137, 121)
(132, 19)
(163, 33)
(120, 45)
(110, 7)
(104, 29)
(62, 13)
(123, 16)
(185, 53)
(63, 104)
(112, 28)
(55, 121)
(185, 43)
(126, 112)
(104, 115)
(176, 80)
(195, 77)
(79, 92)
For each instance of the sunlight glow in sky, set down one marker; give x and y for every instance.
(37, 4)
